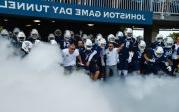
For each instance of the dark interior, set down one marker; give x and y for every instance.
(47, 26)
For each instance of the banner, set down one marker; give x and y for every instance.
(40, 8)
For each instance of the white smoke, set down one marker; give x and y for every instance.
(37, 84)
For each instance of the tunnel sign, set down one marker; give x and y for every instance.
(40, 8)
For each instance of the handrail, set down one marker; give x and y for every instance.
(155, 6)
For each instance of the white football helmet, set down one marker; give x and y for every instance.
(119, 34)
(88, 44)
(67, 35)
(5, 34)
(58, 32)
(21, 37)
(51, 39)
(142, 46)
(27, 46)
(102, 43)
(168, 42)
(159, 38)
(111, 38)
(98, 38)
(51, 36)
(128, 32)
(34, 34)
(158, 52)
(16, 31)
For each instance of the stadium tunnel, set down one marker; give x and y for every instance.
(46, 25)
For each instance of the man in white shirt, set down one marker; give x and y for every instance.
(69, 58)
(112, 59)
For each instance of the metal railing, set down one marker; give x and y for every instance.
(166, 7)
(119, 4)
(156, 6)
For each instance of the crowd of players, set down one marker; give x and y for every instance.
(99, 57)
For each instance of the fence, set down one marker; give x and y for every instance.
(157, 6)
(166, 7)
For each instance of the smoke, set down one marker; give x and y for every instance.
(37, 84)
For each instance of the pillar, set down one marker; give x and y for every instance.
(150, 32)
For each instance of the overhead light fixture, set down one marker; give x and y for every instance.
(53, 21)
(5, 20)
(37, 21)
(90, 25)
(28, 25)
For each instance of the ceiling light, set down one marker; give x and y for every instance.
(37, 21)
(28, 25)
(5, 20)
(90, 25)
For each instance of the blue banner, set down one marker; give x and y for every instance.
(40, 8)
